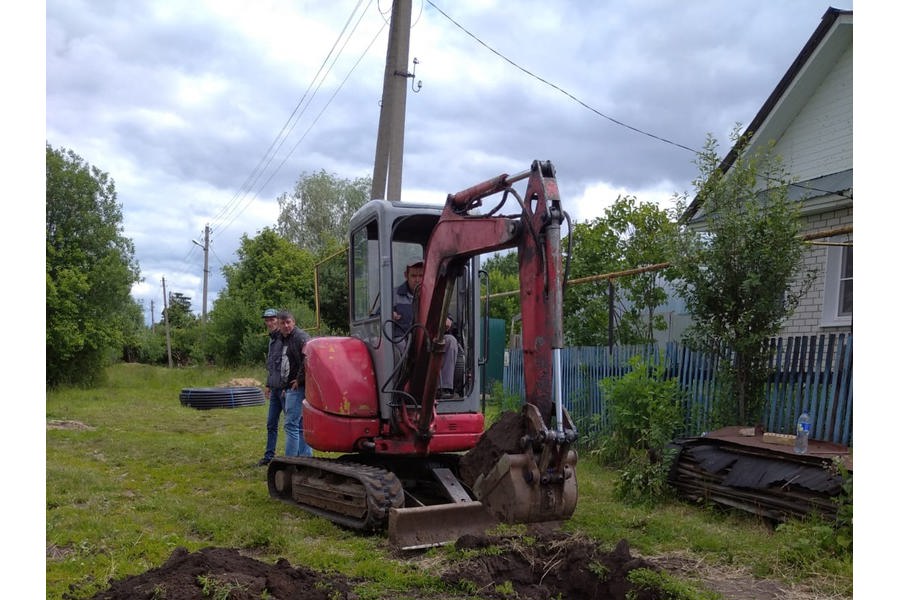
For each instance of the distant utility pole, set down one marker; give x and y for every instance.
(166, 319)
(205, 246)
(152, 314)
(388, 173)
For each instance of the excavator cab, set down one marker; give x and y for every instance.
(386, 237)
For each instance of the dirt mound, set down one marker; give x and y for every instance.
(241, 382)
(226, 573)
(552, 566)
(503, 437)
(526, 567)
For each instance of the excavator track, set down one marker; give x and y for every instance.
(354, 495)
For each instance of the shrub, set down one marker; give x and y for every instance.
(644, 415)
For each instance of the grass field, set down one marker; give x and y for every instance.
(132, 475)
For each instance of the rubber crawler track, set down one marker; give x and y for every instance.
(381, 489)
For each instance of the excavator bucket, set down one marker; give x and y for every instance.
(514, 491)
(427, 526)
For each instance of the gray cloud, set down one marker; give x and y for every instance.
(179, 102)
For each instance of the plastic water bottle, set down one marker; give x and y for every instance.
(801, 444)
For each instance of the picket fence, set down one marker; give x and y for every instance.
(812, 373)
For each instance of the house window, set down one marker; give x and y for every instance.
(838, 302)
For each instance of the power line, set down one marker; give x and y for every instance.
(315, 120)
(592, 109)
(559, 89)
(242, 194)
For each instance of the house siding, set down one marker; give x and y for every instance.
(819, 141)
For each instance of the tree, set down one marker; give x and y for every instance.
(184, 330)
(317, 214)
(270, 272)
(629, 235)
(178, 312)
(334, 309)
(90, 269)
(503, 276)
(743, 275)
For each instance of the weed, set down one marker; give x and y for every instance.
(644, 413)
(159, 592)
(467, 586)
(506, 589)
(217, 589)
(671, 588)
(600, 570)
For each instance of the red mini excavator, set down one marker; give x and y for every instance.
(407, 459)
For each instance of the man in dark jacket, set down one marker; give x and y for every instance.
(293, 380)
(274, 391)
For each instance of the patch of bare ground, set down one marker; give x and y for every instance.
(732, 582)
(63, 424)
(241, 382)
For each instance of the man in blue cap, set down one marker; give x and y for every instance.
(274, 391)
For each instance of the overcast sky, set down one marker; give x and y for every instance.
(204, 112)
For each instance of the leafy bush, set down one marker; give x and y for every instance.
(644, 415)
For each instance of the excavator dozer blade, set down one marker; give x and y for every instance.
(427, 526)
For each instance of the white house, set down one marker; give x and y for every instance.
(809, 117)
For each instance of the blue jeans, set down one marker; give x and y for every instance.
(293, 423)
(276, 407)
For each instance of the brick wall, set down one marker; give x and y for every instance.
(807, 318)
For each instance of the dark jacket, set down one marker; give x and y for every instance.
(403, 306)
(273, 361)
(292, 350)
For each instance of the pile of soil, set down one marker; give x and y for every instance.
(226, 573)
(536, 568)
(550, 566)
(503, 437)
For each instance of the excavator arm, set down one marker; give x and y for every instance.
(535, 232)
(460, 234)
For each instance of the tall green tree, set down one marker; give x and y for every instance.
(316, 217)
(185, 333)
(503, 280)
(270, 272)
(317, 214)
(90, 269)
(744, 274)
(629, 235)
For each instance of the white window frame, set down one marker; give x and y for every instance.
(833, 270)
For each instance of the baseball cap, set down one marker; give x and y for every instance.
(414, 262)
(269, 312)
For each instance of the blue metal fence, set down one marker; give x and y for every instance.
(812, 373)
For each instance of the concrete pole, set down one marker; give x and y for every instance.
(387, 176)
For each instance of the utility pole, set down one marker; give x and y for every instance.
(166, 319)
(205, 246)
(152, 314)
(388, 173)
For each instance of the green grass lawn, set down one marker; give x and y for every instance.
(147, 475)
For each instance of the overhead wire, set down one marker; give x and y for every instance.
(230, 211)
(335, 93)
(557, 88)
(594, 110)
(318, 116)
